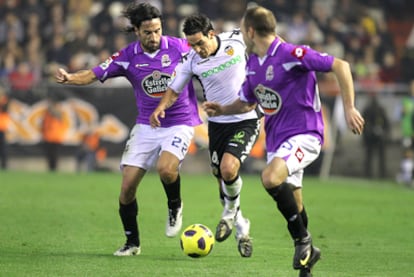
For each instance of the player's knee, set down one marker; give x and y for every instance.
(167, 174)
(127, 194)
(270, 179)
(228, 172)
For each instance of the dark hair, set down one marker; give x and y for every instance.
(261, 20)
(139, 12)
(197, 23)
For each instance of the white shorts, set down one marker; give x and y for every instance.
(145, 144)
(298, 152)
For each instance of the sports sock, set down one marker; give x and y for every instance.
(222, 201)
(173, 193)
(304, 217)
(231, 190)
(286, 204)
(128, 214)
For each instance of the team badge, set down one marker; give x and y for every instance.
(270, 73)
(268, 99)
(165, 60)
(229, 50)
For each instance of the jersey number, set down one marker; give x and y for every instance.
(178, 142)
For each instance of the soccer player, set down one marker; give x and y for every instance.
(281, 79)
(218, 62)
(148, 64)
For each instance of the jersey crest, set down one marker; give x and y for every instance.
(270, 74)
(229, 50)
(165, 60)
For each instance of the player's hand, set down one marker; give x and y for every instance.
(354, 121)
(62, 76)
(154, 118)
(212, 108)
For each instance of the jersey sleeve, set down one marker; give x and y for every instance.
(182, 74)
(114, 66)
(310, 59)
(246, 92)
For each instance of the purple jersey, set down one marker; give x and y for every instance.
(149, 75)
(284, 84)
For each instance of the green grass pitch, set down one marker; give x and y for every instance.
(62, 224)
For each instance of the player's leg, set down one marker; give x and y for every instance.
(284, 170)
(297, 193)
(128, 210)
(174, 147)
(232, 215)
(141, 152)
(167, 168)
(239, 140)
(316, 253)
(230, 185)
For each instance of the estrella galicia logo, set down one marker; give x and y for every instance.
(269, 100)
(238, 137)
(156, 83)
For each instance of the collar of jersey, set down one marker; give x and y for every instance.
(273, 47)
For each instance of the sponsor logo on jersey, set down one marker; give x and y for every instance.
(156, 83)
(222, 67)
(229, 50)
(109, 60)
(299, 155)
(299, 52)
(141, 64)
(238, 137)
(268, 99)
(165, 60)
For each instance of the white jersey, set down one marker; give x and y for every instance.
(221, 75)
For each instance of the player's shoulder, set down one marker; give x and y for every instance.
(180, 44)
(234, 35)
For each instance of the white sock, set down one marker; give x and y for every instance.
(233, 192)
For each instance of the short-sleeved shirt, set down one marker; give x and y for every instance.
(221, 74)
(284, 84)
(149, 75)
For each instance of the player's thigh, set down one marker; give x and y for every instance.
(143, 147)
(132, 176)
(175, 146)
(275, 173)
(234, 139)
(167, 163)
(298, 152)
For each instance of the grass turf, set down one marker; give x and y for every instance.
(62, 224)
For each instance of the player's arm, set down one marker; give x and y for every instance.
(238, 106)
(81, 77)
(167, 100)
(343, 74)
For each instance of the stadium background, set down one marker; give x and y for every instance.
(37, 37)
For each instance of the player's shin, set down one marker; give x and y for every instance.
(286, 204)
(232, 191)
(128, 214)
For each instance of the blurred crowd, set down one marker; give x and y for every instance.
(37, 36)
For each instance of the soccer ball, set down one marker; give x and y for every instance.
(197, 241)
